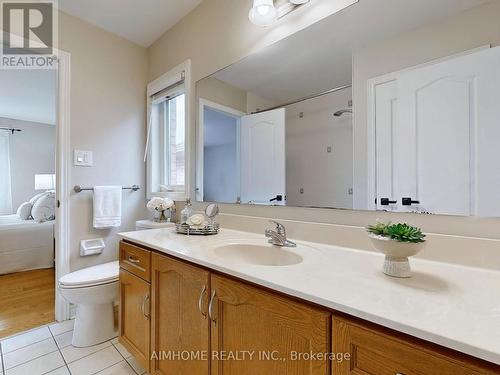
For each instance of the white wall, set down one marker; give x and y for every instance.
(464, 31)
(32, 151)
(325, 177)
(220, 169)
(108, 104)
(220, 163)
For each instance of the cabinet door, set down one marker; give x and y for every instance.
(134, 316)
(180, 326)
(373, 352)
(265, 332)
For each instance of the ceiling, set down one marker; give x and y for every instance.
(319, 57)
(28, 95)
(140, 21)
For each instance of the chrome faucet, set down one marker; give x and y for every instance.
(278, 237)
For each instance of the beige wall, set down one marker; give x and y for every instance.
(108, 91)
(217, 33)
(221, 93)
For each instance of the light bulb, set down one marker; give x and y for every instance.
(263, 13)
(263, 9)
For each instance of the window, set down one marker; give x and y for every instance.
(167, 150)
(173, 124)
(167, 142)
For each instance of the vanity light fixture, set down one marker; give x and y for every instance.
(263, 13)
(266, 12)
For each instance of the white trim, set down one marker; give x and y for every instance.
(63, 158)
(162, 82)
(200, 138)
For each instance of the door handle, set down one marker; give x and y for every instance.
(143, 306)
(210, 308)
(386, 201)
(409, 201)
(278, 198)
(200, 301)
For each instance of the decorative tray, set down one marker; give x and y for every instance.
(206, 230)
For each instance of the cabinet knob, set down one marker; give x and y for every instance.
(200, 301)
(133, 260)
(210, 308)
(143, 306)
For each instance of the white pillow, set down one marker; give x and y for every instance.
(44, 208)
(37, 197)
(24, 211)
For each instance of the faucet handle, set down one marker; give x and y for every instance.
(280, 228)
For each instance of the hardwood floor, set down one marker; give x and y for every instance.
(26, 300)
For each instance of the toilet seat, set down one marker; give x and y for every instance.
(92, 276)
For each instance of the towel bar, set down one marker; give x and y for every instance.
(79, 188)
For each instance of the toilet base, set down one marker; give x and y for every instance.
(94, 324)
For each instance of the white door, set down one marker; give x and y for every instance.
(448, 122)
(263, 158)
(436, 133)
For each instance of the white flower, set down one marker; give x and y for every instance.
(159, 204)
(169, 203)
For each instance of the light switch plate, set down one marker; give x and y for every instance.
(83, 158)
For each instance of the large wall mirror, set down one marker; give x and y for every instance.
(394, 110)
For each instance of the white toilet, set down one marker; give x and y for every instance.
(93, 290)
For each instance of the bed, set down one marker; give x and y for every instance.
(25, 244)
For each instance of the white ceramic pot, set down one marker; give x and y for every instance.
(396, 254)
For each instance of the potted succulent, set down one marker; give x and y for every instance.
(162, 209)
(397, 242)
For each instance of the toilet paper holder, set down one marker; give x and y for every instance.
(91, 247)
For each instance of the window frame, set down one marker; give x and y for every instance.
(161, 83)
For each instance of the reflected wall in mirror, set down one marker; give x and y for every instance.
(369, 110)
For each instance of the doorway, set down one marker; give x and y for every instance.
(219, 153)
(36, 254)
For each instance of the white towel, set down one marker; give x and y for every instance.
(107, 206)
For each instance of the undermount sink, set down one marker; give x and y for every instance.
(261, 255)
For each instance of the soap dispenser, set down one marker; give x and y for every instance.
(186, 212)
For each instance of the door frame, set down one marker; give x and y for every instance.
(201, 140)
(63, 186)
(62, 247)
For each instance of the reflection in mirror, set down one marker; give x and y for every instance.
(362, 110)
(211, 212)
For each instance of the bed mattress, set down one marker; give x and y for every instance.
(25, 244)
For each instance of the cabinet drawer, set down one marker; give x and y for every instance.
(374, 352)
(135, 260)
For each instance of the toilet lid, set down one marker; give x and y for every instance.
(100, 274)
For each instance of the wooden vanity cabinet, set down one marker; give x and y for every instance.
(279, 331)
(229, 327)
(374, 351)
(180, 324)
(134, 322)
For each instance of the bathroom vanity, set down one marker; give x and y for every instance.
(189, 308)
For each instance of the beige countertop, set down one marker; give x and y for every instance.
(451, 305)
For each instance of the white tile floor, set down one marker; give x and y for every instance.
(48, 351)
